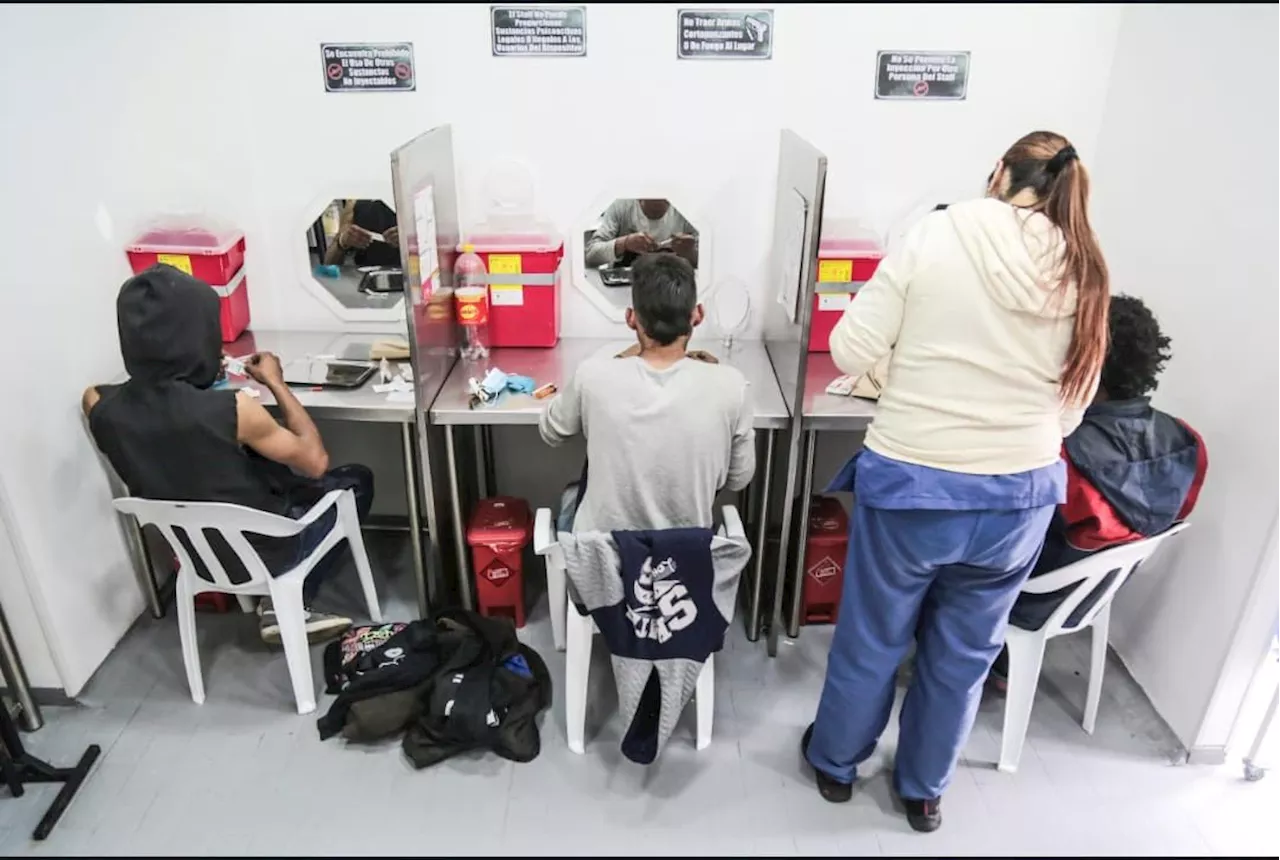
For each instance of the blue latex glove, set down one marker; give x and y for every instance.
(520, 384)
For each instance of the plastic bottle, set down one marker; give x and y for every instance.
(471, 296)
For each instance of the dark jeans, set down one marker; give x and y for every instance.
(282, 556)
(1031, 611)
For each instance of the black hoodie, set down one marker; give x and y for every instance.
(166, 433)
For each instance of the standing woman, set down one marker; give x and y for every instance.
(995, 313)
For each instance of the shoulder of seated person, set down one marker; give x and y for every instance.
(90, 399)
(726, 374)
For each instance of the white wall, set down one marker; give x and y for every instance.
(222, 108)
(1186, 208)
(19, 611)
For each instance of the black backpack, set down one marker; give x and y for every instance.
(378, 674)
(457, 680)
(486, 693)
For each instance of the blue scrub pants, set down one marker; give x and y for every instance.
(947, 578)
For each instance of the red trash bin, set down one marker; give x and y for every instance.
(499, 531)
(826, 547)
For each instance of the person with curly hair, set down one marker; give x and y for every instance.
(1132, 470)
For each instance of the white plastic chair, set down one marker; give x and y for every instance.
(578, 631)
(285, 591)
(1026, 647)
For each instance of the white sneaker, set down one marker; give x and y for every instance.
(321, 626)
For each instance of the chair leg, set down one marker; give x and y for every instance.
(705, 696)
(286, 600)
(247, 605)
(185, 599)
(355, 539)
(1253, 770)
(577, 670)
(1097, 666)
(1026, 656)
(557, 600)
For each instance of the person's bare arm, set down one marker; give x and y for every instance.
(89, 400)
(348, 235)
(296, 444)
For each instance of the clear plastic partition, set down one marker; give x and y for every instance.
(797, 214)
(426, 206)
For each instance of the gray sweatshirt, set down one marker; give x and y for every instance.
(660, 443)
(624, 217)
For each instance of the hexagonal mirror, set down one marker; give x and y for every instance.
(626, 229)
(353, 250)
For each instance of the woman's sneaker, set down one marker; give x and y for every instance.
(321, 626)
(924, 816)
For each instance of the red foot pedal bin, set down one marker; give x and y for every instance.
(499, 531)
(825, 550)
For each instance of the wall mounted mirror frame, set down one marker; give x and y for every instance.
(612, 301)
(341, 293)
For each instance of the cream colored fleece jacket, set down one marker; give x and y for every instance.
(966, 305)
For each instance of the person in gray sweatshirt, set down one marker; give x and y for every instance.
(629, 228)
(665, 430)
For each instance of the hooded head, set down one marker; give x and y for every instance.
(169, 327)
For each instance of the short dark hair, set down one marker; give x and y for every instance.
(664, 292)
(1136, 352)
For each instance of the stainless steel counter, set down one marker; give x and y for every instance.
(824, 411)
(360, 404)
(556, 365)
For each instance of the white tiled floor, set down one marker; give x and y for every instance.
(243, 774)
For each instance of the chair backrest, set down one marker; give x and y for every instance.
(1083, 576)
(194, 520)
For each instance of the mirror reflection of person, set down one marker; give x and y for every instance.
(359, 221)
(630, 228)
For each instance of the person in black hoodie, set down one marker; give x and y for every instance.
(170, 435)
(1132, 470)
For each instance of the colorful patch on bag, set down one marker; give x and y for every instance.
(517, 664)
(362, 640)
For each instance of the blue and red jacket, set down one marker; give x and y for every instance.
(1132, 472)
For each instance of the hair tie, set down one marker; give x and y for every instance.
(1060, 159)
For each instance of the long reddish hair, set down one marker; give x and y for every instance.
(1047, 164)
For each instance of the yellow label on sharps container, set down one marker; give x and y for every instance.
(178, 261)
(504, 264)
(835, 271)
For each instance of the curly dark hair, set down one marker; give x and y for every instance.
(1137, 350)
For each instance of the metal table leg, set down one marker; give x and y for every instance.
(765, 478)
(143, 567)
(459, 526)
(486, 458)
(797, 576)
(480, 462)
(15, 677)
(412, 494)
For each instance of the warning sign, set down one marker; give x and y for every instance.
(368, 67)
(927, 76)
(539, 31)
(724, 34)
(824, 570)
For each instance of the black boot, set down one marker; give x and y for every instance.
(924, 816)
(831, 790)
